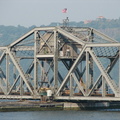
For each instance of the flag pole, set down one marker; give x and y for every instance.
(66, 20)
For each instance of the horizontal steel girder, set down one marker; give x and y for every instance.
(76, 98)
(103, 45)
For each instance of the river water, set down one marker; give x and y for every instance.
(61, 115)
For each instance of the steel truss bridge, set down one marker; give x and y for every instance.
(75, 63)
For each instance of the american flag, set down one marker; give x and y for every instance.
(64, 10)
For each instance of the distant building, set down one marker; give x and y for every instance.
(87, 21)
(101, 17)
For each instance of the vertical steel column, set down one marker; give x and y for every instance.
(42, 72)
(91, 37)
(103, 87)
(55, 60)
(21, 86)
(14, 74)
(87, 72)
(35, 61)
(7, 72)
(71, 85)
(91, 72)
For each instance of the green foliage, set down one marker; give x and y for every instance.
(8, 34)
(99, 23)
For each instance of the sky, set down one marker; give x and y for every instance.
(43, 12)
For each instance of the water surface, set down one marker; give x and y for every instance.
(61, 115)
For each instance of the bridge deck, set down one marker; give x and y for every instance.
(81, 98)
(63, 98)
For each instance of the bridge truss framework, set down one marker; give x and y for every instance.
(75, 63)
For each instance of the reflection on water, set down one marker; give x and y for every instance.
(60, 115)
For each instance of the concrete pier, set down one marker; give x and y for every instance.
(28, 105)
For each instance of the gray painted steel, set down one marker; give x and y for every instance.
(69, 61)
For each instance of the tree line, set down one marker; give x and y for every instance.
(110, 27)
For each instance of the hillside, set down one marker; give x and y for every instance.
(9, 34)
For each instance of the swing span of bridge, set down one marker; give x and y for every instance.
(74, 63)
